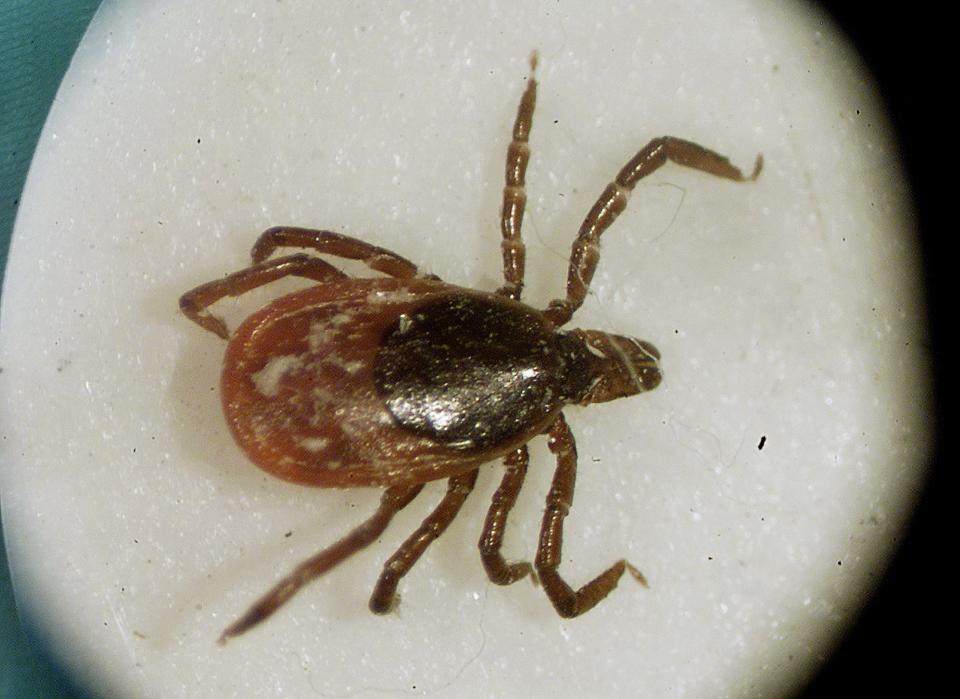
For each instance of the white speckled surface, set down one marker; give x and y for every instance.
(786, 309)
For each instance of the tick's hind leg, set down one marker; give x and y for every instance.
(336, 244)
(491, 540)
(392, 501)
(194, 303)
(514, 191)
(399, 564)
(586, 247)
(567, 601)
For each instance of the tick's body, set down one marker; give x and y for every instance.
(375, 382)
(399, 380)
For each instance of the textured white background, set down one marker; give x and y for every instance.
(787, 308)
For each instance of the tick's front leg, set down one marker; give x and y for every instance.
(585, 254)
(567, 601)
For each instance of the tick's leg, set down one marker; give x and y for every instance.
(514, 192)
(392, 501)
(400, 563)
(586, 248)
(336, 244)
(566, 601)
(195, 302)
(491, 540)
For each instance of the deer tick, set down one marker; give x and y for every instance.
(399, 379)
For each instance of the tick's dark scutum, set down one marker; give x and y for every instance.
(474, 372)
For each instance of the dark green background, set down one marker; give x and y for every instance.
(37, 39)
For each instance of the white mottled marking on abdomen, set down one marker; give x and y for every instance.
(267, 380)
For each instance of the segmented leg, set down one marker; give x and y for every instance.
(586, 248)
(491, 540)
(392, 501)
(399, 564)
(514, 192)
(566, 601)
(194, 303)
(337, 244)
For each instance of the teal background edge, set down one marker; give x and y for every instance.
(37, 40)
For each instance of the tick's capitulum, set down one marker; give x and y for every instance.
(401, 379)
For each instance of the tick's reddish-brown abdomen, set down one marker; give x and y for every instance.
(299, 395)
